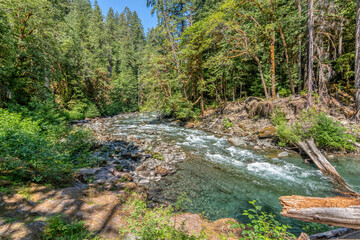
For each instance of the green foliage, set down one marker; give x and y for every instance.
(227, 124)
(331, 135)
(58, 228)
(92, 111)
(36, 150)
(278, 117)
(313, 228)
(154, 223)
(180, 109)
(287, 135)
(263, 225)
(327, 133)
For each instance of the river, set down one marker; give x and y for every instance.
(220, 179)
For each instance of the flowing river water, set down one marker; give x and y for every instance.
(220, 179)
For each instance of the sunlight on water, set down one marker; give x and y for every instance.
(221, 179)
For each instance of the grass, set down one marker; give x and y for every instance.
(59, 228)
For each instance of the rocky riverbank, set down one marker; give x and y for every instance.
(101, 194)
(247, 123)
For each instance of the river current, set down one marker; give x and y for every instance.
(220, 179)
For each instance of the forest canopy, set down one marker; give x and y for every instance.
(200, 55)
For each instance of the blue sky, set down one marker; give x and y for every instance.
(139, 6)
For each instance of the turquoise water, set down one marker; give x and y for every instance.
(220, 179)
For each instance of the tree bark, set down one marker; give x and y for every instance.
(325, 167)
(172, 43)
(337, 211)
(261, 76)
(341, 36)
(300, 45)
(272, 62)
(357, 62)
(311, 51)
(287, 62)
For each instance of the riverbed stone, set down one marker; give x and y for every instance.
(283, 154)
(267, 132)
(236, 141)
(162, 171)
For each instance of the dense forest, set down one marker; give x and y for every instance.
(67, 71)
(201, 54)
(65, 52)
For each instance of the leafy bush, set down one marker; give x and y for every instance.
(80, 109)
(153, 223)
(59, 229)
(330, 134)
(327, 133)
(313, 228)
(263, 225)
(227, 124)
(287, 135)
(77, 110)
(278, 117)
(35, 150)
(92, 111)
(180, 109)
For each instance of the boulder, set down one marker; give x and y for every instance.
(162, 171)
(283, 154)
(176, 123)
(236, 141)
(267, 132)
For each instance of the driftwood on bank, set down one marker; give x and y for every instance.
(308, 146)
(337, 211)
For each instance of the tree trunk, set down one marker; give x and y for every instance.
(337, 211)
(287, 62)
(325, 167)
(261, 76)
(341, 36)
(311, 51)
(272, 62)
(357, 62)
(172, 43)
(300, 45)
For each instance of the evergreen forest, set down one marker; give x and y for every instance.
(92, 103)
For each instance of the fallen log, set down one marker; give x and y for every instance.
(309, 147)
(336, 211)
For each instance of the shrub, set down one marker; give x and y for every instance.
(35, 150)
(227, 124)
(313, 228)
(331, 135)
(153, 223)
(277, 117)
(263, 225)
(180, 109)
(327, 133)
(287, 135)
(59, 229)
(92, 111)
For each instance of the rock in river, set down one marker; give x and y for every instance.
(283, 154)
(236, 141)
(267, 132)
